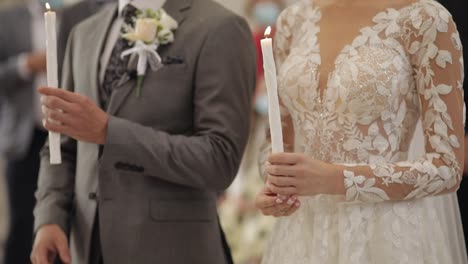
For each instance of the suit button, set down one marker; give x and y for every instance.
(92, 196)
(119, 165)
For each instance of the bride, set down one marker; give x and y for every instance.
(355, 77)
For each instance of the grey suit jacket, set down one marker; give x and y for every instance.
(168, 153)
(16, 94)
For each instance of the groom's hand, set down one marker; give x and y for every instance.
(73, 115)
(50, 242)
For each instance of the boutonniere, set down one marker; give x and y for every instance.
(152, 29)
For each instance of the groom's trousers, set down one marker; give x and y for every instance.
(96, 253)
(95, 256)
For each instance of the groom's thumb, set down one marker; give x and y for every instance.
(63, 250)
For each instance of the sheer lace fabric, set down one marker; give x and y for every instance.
(404, 67)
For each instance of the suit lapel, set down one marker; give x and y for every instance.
(97, 36)
(176, 9)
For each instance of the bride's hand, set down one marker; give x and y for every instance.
(298, 174)
(271, 204)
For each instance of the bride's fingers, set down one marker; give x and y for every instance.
(278, 207)
(266, 201)
(293, 209)
(286, 209)
(280, 170)
(287, 191)
(285, 158)
(272, 205)
(277, 210)
(282, 181)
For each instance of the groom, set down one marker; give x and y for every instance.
(139, 179)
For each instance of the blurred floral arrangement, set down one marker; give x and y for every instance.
(247, 230)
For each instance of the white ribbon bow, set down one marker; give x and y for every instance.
(146, 54)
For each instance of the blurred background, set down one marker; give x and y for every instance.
(245, 228)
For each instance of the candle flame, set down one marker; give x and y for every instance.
(47, 6)
(267, 31)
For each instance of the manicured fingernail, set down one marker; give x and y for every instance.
(279, 201)
(44, 109)
(43, 122)
(43, 99)
(297, 204)
(291, 201)
(284, 198)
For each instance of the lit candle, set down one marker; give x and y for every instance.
(52, 76)
(274, 113)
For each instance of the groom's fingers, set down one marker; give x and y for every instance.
(54, 102)
(63, 250)
(55, 116)
(53, 126)
(40, 257)
(60, 93)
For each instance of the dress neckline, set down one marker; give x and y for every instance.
(344, 51)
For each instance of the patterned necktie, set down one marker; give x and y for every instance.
(117, 67)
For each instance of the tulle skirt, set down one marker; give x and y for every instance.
(327, 230)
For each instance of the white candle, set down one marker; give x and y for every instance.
(274, 113)
(52, 76)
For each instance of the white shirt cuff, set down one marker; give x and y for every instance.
(22, 67)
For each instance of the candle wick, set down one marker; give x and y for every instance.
(267, 32)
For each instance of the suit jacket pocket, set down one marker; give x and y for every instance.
(182, 210)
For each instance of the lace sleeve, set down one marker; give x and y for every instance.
(434, 47)
(282, 42)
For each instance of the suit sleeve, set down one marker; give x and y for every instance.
(56, 182)
(223, 87)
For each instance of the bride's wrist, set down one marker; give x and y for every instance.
(336, 173)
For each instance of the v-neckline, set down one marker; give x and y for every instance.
(321, 92)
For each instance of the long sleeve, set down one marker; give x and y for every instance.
(56, 183)
(208, 158)
(281, 51)
(434, 47)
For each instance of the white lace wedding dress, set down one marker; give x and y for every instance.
(404, 67)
